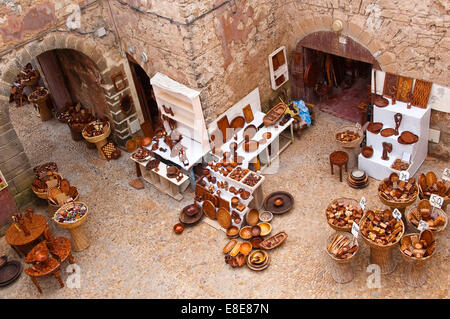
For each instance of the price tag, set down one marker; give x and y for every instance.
(406, 157)
(397, 215)
(404, 176)
(446, 175)
(423, 225)
(355, 229)
(363, 203)
(436, 201)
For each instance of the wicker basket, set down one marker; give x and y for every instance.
(438, 210)
(423, 196)
(52, 208)
(341, 269)
(348, 200)
(44, 194)
(352, 128)
(98, 138)
(75, 224)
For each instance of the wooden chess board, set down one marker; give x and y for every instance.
(108, 149)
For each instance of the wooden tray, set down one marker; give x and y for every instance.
(375, 127)
(407, 138)
(273, 241)
(209, 209)
(287, 205)
(10, 272)
(274, 114)
(223, 126)
(190, 220)
(421, 93)
(404, 87)
(248, 113)
(224, 217)
(387, 132)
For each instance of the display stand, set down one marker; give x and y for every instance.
(159, 179)
(415, 120)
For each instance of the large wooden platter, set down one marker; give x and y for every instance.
(274, 114)
(224, 217)
(421, 93)
(209, 209)
(404, 87)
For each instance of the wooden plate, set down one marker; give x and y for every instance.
(407, 138)
(387, 132)
(189, 220)
(65, 186)
(209, 209)
(375, 127)
(248, 113)
(288, 202)
(224, 217)
(237, 123)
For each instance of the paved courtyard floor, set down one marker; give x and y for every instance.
(135, 254)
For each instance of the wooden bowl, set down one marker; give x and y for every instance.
(266, 228)
(234, 201)
(265, 216)
(252, 217)
(232, 231)
(246, 232)
(191, 210)
(256, 231)
(245, 248)
(178, 228)
(278, 202)
(146, 141)
(257, 257)
(367, 151)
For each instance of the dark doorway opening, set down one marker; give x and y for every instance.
(340, 86)
(146, 98)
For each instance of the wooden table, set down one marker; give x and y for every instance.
(21, 243)
(339, 158)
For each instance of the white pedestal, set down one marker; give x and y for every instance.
(415, 120)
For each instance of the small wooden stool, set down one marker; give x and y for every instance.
(339, 158)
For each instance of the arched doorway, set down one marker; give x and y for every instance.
(333, 71)
(14, 162)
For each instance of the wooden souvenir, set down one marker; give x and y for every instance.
(189, 220)
(168, 110)
(421, 93)
(252, 217)
(387, 132)
(387, 148)
(390, 82)
(232, 232)
(274, 114)
(223, 203)
(250, 131)
(266, 228)
(246, 232)
(375, 127)
(407, 138)
(65, 186)
(131, 145)
(274, 241)
(237, 123)
(209, 209)
(229, 246)
(224, 127)
(108, 150)
(248, 113)
(118, 81)
(288, 202)
(367, 151)
(178, 228)
(398, 120)
(404, 87)
(245, 248)
(224, 217)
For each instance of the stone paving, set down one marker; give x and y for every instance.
(135, 254)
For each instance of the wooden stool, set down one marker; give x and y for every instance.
(339, 158)
(45, 267)
(59, 247)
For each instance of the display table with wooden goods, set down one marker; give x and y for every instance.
(340, 159)
(417, 250)
(72, 216)
(411, 142)
(185, 139)
(435, 218)
(42, 265)
(25, 232)
(41, 98)
(97, 132)
(342, 249)
(381, 232)
(158, 177)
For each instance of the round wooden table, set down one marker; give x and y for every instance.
(22, 243)
(339, 158)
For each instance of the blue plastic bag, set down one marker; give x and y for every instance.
(303, 111)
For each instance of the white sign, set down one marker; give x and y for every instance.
(355, 229)
(363, 203)
(404, 176)
(436, 201)
(423, 225)
(446, 175)
(406, 157)
(397, 215)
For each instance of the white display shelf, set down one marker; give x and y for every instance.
(415, 120)
(171, 100)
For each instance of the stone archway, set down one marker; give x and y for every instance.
(14, 162)
(327, 42)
